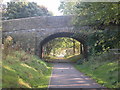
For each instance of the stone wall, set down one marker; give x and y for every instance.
(40, 22)
(31, 31)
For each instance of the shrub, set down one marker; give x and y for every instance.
(7, 46)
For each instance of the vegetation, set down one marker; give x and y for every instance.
(67, 8)
(104, 69)
(23, 70)
(75, 58)
(102, 41)
(93, 12)
(14, 10)
(101, 65)
(61, 46)
(98, 15)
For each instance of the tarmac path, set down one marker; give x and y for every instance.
(64, 75)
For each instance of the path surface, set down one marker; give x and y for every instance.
(64, 75)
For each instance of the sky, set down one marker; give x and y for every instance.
(52, 5)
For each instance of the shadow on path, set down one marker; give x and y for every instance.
(64, 75)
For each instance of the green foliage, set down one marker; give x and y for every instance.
(80, 61)
(101, 41)
(75, 58)
(92, 13)
(22, 70)
(7, 44)
(97, 13)
(56, 45)
(15, 10)
(104, 69)
(67, 8)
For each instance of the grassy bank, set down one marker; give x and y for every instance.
(22, 70)
(74, 58)
(104, 69)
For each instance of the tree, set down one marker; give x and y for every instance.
(97, 14)
(16, 10)
(92, 12)
(59, 44)
(67, 8)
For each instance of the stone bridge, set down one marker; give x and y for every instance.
(32, 33)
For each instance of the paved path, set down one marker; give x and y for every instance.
(64, 75)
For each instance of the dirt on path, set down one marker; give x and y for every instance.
(64, 75)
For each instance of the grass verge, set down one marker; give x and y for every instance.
(74, 58)
(22, 70)
(105, 72)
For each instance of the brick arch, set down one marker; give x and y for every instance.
(35, 31)
(82, 39)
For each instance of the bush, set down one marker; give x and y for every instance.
(7, 46)
(81, 61)
(108, 56)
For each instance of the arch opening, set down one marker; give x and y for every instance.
(61, 48)
(81, 39)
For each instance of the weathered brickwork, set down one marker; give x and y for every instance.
(30, 32)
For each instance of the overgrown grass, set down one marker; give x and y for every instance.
(22, 70)
(103, 69)
(50, 57)
(74, 58)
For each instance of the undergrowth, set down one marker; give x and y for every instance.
(74, 58)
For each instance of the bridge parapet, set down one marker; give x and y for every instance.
(37, 23)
